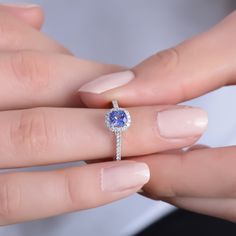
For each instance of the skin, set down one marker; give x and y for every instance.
(43, 121)
(32, 136)
(201, 180)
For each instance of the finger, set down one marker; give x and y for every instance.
(180, 151)
(16, 34)
(221, 208)
(197, 146)
(205, 173)
(31, 14)
(193, 68)
(50, 135)
(31, 78)
(67, 190)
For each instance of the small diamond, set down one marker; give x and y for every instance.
(118, 118)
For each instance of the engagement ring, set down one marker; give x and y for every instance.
(117, 120)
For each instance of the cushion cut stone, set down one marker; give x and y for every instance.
(118, 118)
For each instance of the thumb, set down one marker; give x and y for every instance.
(195, 67)
(31, 14)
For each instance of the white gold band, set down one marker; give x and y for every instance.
(117, 120)
(118, 145)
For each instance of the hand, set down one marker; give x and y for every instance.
(38, 78)
(36, 71)
(201, 180)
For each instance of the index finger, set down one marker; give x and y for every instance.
(42, 136)
(191, 69)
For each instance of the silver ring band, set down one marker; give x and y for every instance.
(118, 136)
(117, 120)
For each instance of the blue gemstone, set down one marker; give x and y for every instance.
(118, 118)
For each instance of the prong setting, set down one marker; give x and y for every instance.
(117, 120)
(116, 112)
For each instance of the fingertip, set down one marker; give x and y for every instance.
(34, 16)
(100, 91)
(93, 100)
(31, 14)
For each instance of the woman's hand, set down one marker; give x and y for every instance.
(38, 76)
(202, 180)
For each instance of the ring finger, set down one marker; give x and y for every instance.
(49, 135)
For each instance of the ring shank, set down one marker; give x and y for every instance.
(118, 136)
(118, 145)
(115, 104)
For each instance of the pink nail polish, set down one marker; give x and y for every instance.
(182, 122)
(123, 176)
(107, 82)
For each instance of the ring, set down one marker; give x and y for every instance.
(117, 120)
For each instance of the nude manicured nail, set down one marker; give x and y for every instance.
(182, 122)
(108, 82)
(20, 5)
(123, 176)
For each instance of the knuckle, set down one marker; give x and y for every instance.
(168, 59)
(7, 32)
(75, 199)
(30, 134)
(30, 70)
(10, 32)
(175, 189)
(68, 190)
(9, 199)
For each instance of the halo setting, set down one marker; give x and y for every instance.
(117, 120)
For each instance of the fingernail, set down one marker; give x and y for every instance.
(182, 122)
(108, 82)
(123, 176)
(20, 5)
